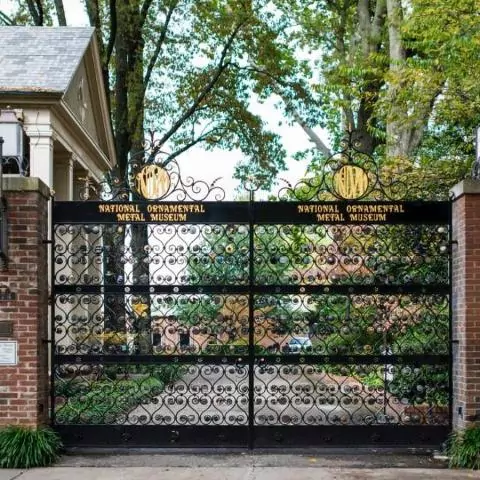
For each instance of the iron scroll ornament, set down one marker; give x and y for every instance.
(151, 176)
(348, 175)
(352, 175)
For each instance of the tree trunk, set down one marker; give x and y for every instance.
(120, 116)
(62, 21)
(398, 128)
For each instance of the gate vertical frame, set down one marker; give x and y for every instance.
(52, 298)
(251, 324)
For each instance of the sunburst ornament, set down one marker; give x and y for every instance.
(152, 182)
(350, 182)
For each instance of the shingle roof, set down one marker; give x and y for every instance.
(40, 59)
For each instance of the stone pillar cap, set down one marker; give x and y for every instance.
(466, 186)
(17, 183)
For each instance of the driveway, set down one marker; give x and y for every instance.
(284, 395)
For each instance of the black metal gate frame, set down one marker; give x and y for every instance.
(252, 214)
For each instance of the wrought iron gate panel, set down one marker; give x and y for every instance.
(310, 320)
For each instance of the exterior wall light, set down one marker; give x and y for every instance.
(13, 152)
(13, 160)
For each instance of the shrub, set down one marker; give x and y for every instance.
(463, 448)
(106, 400)
(23, 447)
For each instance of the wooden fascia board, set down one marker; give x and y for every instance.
(92, 63)
(19, 99)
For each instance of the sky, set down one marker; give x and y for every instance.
(208, 166)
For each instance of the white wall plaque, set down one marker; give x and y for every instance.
(8, 353)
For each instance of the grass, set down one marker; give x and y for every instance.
(25, 447)
(463, 449)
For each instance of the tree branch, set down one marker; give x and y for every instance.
(36, 11)
(94, 19)
(144, 12)
(378, 19)
(396, 48)
(221, 67)
(158, 47)
(40, 12)
(113, 31)
(189, 145)
(152, 62)
(62, 21)
(364, 26)
(314, 138)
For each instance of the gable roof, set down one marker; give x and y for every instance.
(34, 59)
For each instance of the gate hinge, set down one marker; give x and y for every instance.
(45, 340)
(47, 241)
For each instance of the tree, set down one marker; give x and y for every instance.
(396, 73)
(177, 67)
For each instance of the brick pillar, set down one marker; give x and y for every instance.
(466, 303)
(24, 387)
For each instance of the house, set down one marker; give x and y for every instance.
(51, 82)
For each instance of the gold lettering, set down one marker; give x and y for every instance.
(328, 208)
(330, 217)
(180, 208)
(130, 217)
(168, 217)
(368, 217)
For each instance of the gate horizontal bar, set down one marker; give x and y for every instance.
(373, 289)
(152, 289)
(151, 359)
(144, 436)
(434, 289)
(242, 360)
(327, 213)
(351, 436)
(296, 359)
(273, 213)
(140, 436)
(155, 212)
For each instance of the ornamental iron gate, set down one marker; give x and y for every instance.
(319, 318)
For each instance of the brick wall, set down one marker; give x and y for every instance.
(24, 387)
(466, 303)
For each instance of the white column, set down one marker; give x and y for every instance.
(63, 176)
(38, 127)
(41, 158)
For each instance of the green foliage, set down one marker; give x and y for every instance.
(25, 447)
(116, 393)
(103, 401)
(463, 449)
(222, 258)
(426, 384)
